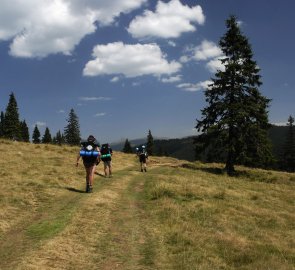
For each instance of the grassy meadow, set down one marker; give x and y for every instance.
(178, 215)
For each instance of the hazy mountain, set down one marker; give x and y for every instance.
(183, 148)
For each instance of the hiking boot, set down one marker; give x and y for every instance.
(90, 189)
(145, 169)
(87, 188)
(141, 170)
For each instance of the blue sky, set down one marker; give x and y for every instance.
(129, 66)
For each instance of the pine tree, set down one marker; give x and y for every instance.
(59, 138)
(36, 135)
(150, 144)
(127, 147)
(72, 130)
(47, 136)
(288, 158)
(235, 122)
(25, 135)
(2, 124)
(12, 129)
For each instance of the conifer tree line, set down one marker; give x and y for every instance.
(14, 129)
(149, 145)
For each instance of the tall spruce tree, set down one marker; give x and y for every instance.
(288, 157)
(2, 124)
(24, 131)
(36, 135)
(150, 144)
(12, 128)
(47, 136)
(235, 122)
(127, 147)
(72, 130)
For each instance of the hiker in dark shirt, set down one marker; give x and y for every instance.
(90, 154)
(143, 156)
(106, 157)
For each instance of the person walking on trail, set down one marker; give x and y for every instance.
(143, 156)
(90, 154)
(106, 157)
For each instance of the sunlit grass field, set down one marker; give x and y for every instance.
(178, 215)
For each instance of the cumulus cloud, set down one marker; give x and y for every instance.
(39, 28)
(215, 64)
(207, 50)
(280, 123)
(115, 79)
(195, 87)
(99, 114)
(129, 60)
(169, 20)
(94, 98)
(171, 79)
(171, 43)
(135, 84)
(39, 124)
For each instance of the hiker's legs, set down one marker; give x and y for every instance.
(107, 168)
(110, 168)
(90, 175)
(105, 164)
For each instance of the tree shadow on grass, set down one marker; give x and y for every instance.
(75, 190)
(217, 171)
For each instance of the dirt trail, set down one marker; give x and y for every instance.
(105, 229)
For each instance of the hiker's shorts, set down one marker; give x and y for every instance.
(107, 163)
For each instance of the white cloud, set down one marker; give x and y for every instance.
(99, 114)
(115, 79)
(129, 60)
(194, 87)
(61, 111)
(169, 20)
(207, 50)
(135, 84)
(39, 124)
(280, 123)
(171, 79)
(39, 28)
(184, 59)
(94, 98)
(215, 64)
(171, 43)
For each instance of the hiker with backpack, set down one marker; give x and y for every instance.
(143, 156)
(106, 157)
(90, 154)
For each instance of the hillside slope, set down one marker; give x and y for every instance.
(178, 215)
(184, 148)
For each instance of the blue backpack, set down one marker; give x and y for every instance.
(88, 151)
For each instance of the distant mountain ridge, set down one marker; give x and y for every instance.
(183, 148)
(118, 146)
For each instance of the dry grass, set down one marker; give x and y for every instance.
(179, 215)
(207, 220)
